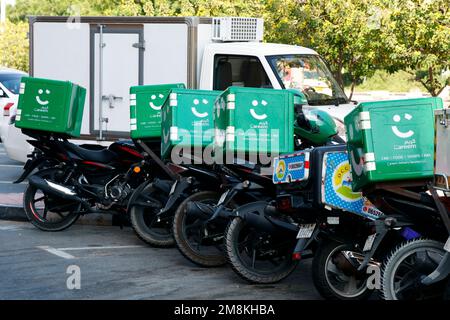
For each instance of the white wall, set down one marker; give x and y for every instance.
(62, 53)
(204, 37)
(165, 55)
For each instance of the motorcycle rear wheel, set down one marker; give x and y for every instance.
(332, 282)
(188, 230)
(144, 219)
(47, 212)
(242, 250)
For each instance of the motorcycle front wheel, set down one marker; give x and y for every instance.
(407, 265)
(256, 256)
(48, 212)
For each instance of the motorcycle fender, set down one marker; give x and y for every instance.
(182, 185)
(136, 193)
(29, 166)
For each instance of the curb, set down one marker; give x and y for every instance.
(16, 213)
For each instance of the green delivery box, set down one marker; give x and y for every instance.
(391, 140)
(253, 120)
(187, 119)
(50, 105)
(145, 109)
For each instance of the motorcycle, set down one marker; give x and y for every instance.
(75, 180)
(152, 205)
(200, 222)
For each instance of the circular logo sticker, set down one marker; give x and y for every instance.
(342, 183)
(281, 169)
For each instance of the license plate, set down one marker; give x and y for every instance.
(306, 231)
(447, 245)
(222, 197)
(333, 220)
(172, 190)
(369, 242)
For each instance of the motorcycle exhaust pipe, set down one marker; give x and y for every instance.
(199, 210)
(269, 224)
(55, 189)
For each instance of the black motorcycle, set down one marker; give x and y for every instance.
(75, 180)
(417, 264)
(199, 226)
(153, 204)
(201, 219)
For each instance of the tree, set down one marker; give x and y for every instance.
(14, 46)
(418, 34)
(346, 33)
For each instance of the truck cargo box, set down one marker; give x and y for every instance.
(391, 140)
(442, 149)
(145, 109)
(50, 105)
(187, 119)
(253, 120)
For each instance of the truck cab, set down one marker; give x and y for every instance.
(277, 66)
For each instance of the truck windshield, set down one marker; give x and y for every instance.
(309, 74)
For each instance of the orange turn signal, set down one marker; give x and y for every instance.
(137, 169)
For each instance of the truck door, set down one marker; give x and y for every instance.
(116, 65)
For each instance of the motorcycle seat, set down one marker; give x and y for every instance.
(101, 156)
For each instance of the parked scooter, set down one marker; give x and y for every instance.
(75, 180)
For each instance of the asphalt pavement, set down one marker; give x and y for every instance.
(112, 263)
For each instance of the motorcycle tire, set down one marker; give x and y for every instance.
(43, 216)
(142, 218)
(237, 229)
(404, 257)
(330, 281)
(188, 249)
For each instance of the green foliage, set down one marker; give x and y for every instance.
(346, 33)
(400, 81)
(14, 45)
(418, 38)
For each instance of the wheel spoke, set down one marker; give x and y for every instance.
(331, 267)
(351, 286)
(39, 199)
(59, 214)
(402, 285)
(44, 215)
(253, 258)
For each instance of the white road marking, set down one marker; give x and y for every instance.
(56, 252)
(9, 228)
(60, 252)
(11, 182)
(100, 248)
(11, 165)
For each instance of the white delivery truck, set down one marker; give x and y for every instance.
(107, 55)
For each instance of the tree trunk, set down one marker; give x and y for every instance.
(432, 89)
(352, 89)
